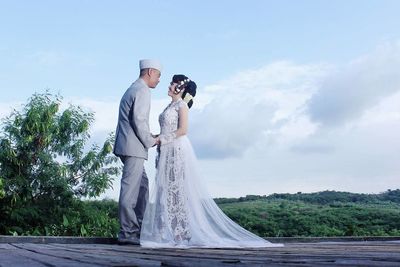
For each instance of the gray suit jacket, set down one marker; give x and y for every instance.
(133, 137)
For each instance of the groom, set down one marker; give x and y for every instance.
(132, 140)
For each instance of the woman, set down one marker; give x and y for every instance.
(180, 213)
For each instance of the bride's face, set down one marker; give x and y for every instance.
(171, 89)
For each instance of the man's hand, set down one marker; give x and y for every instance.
(158, 142)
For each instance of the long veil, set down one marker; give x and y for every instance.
(208, 225)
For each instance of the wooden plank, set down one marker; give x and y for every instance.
(82, 257)
(286, 240)
(177, 258)
(57, 239)
(372, 253)
(11, 258)
(49, 260)
(166, 259)
(302, 248)
(106, 240)
(251, 256)
(6, 246)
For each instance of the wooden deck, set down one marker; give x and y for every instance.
(348, 253)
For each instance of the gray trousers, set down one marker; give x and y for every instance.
(133, 197)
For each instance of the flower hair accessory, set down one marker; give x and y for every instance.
(187, 97)
(181, 85)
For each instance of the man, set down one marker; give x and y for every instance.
(132, 141)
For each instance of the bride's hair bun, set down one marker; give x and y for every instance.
(189, 87)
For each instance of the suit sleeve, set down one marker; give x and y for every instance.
(141, 112)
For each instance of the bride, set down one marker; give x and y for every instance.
(180, 213)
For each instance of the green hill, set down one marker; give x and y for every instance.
(326, 213)
(324, 197)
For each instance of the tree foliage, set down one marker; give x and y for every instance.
(2, 193)
(323, 197)
(326, 213)
(45, 165)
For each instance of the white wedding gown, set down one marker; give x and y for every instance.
(180, 213)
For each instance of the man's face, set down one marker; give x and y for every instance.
(154, 77)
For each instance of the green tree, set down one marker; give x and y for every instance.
(45, 164)
(2, 193)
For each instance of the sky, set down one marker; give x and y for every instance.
(292, 95)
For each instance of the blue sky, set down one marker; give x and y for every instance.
(91, 48)
(285, 84)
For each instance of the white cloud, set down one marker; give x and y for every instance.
(346, 93)
(387, 111)
(360, 158)
(5, 109)
(236, 113)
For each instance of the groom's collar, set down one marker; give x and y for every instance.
(143, 82)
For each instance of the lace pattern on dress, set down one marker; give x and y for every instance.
(177, 212)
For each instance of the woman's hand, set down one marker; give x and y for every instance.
(157, 141)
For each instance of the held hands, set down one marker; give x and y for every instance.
(157, 139)
(164, 139)
(158, 144)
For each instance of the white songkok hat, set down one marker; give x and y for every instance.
(150, 64)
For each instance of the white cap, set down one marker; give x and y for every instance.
(150, 64)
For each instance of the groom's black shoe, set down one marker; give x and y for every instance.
(129, 241)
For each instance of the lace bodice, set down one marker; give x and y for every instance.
(169, 118)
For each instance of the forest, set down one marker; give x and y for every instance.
(327, 213)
